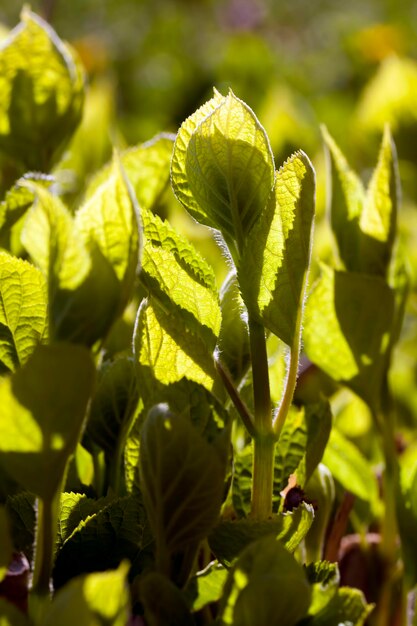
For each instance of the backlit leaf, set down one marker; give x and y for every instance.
(163, 602)
(23, 311)
(98, 599)
(209, 585)
(347, 329)
(147, 167)
(41, 87)
(274, 264)
(229, 169)
(19, 199)
(266, 586)
(166, 345)
(41, 419)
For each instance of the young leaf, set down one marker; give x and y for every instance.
(23, 311)
(41, 419)
(42, 92)
(378, 220)
(266, 586)
(169, 349)
(347, 329)
(182, 480)
(346, 199)
(276, 256)
(147, 167)
(179, 176)
(174, 272)
(364, 222)
(97, 599)
(107, 533)
(229, 170)
(346, 608)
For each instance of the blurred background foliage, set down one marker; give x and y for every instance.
(299, 64)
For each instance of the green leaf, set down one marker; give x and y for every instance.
(321, 490)
(233, 344)
(54, 242)
(21, 513)
(19, 199)
(347, 328)
(346, 200)
(74, 508)
(147, 167)
(251, 591)
(348, 465)
(108, 221)
(179, 177)
(163, 602)
(324, 578)
(174, 272)
(42, 92)
(209, 585)
(378, 221)
(169, 348)
(229, 170)
(229, 538)
(98, 599)
(106, 533)
(364, 222)
(346, 608)
(182, 480)
(41, 419)
(276, 256)
(23, 311)
(6, 546)
(114, 404)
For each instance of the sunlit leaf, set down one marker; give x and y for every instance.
(147, 167)
(23, 311)
(229, 170)
(209, 585)
(347, 328)
(174, 272)
(19, 199)
(97, 599)
(274, 264)
(41, 86)
(182, 480)
(167, 346)
(41, 419)
(251, 591)
(407, 512)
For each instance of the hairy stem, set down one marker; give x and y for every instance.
(290, 383)
(264, 439)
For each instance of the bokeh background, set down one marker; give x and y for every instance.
(298, 63)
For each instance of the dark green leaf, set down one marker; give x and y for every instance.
(163, 602)
(182, 479)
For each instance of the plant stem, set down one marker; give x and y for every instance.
(290, 383)
(240, 405)
(46, 529)
(264, 439)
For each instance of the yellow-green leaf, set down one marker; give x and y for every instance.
(42, 411)
(42, 91)
(23, 311)
(276, 256)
